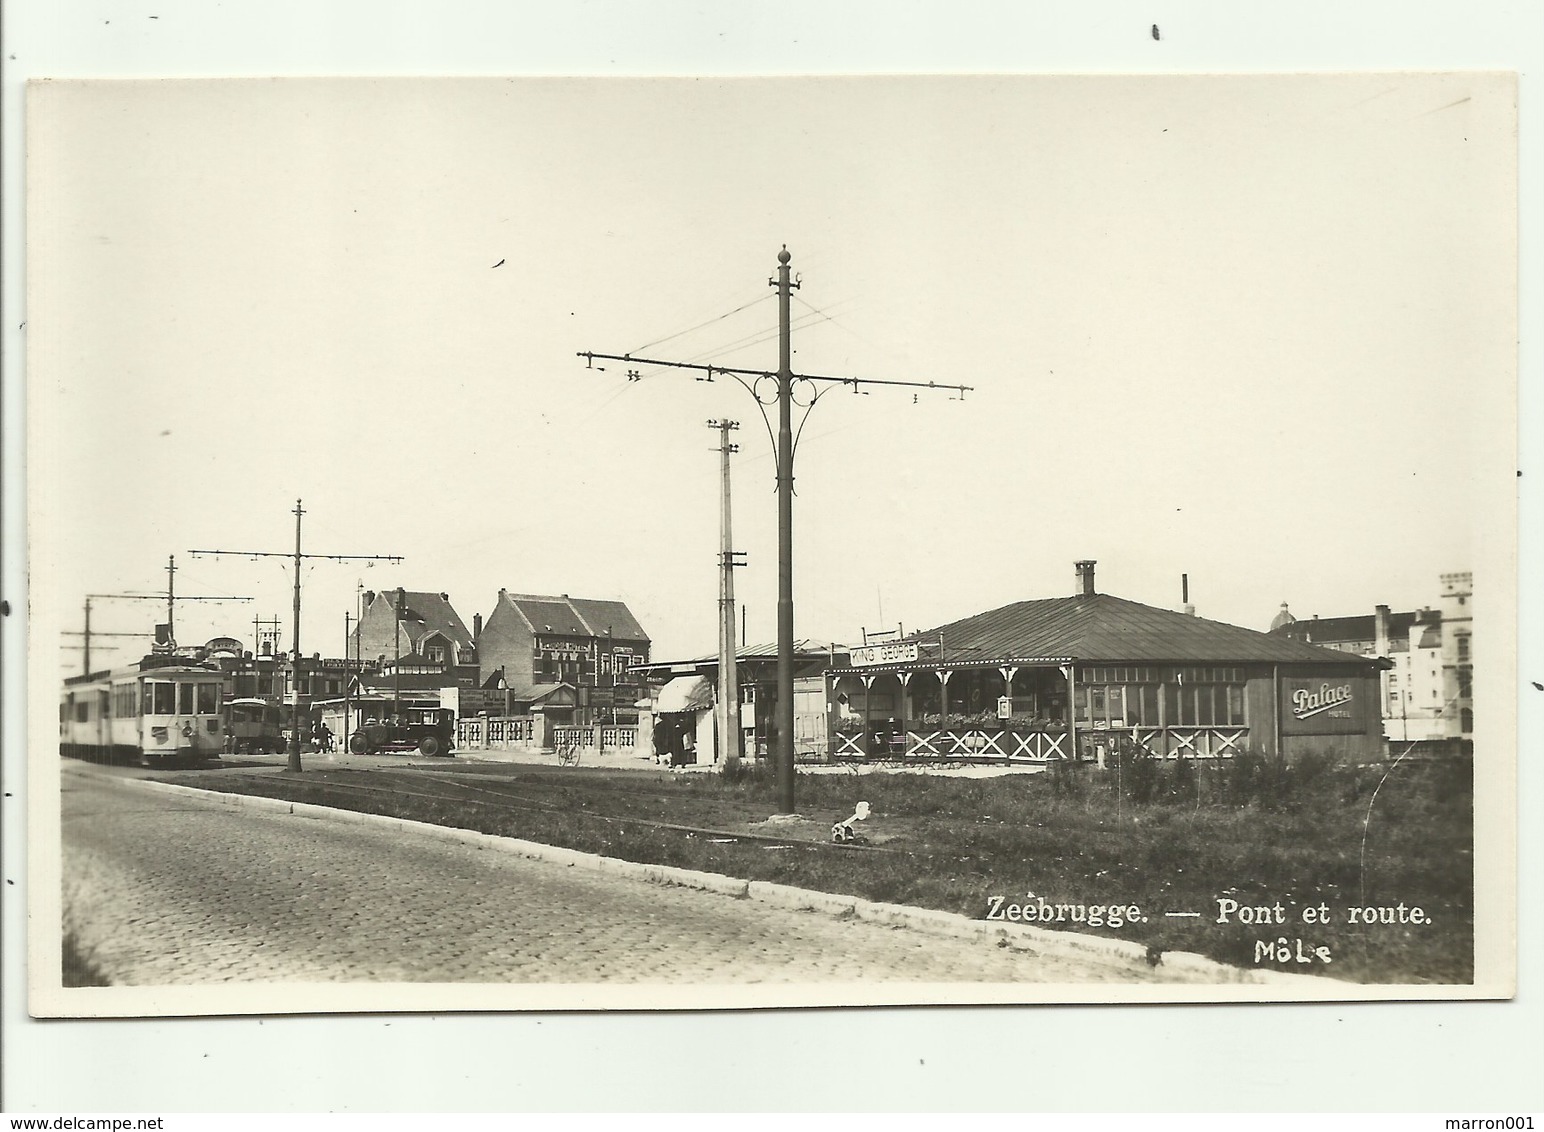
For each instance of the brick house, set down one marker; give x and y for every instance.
(537, 644)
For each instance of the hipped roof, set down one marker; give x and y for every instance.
(1101, 628)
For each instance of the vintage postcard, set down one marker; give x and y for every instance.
(577, 544)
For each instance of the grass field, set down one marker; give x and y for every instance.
(1299, 851)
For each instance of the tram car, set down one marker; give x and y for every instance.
(255, 727)
(164, 710)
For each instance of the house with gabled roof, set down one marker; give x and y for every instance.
(414, 632)
(540, 644)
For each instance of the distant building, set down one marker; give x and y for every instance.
(409, 632)
(683, 694)
(1427, 692)
(569, 653)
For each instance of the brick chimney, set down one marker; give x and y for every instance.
(1085, 569)
(1380, 632)
(476, 627)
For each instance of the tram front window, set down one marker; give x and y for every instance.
(163, 698)
(185, 699)
(208, 699)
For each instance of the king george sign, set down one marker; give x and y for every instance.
(902, 652)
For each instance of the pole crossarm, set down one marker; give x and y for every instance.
(784, 443)
(830, 383)
(590, 356)
(283, 554)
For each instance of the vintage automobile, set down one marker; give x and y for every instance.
(428, 730)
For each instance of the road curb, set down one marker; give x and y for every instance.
(926, 920)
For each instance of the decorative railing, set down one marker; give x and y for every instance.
(1191, 742)
(934, 742)
(1037, 745)
(618, 737)
(494, 731)
(611, 738)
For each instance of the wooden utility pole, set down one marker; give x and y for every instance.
(86, 634)
(258, 625)
(728, 678)
(784, 443)
(396, 664)
(294, 743)
(348, 680)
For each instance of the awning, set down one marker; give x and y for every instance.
(685, 693)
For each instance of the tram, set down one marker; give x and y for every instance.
(166, 709)
(255, 727)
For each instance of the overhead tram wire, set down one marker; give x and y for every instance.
(634, 376)
(701, 325)
(745, 342)
(758, 338)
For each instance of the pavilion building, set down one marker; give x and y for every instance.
(1062, 678)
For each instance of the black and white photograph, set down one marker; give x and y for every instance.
(673, 543)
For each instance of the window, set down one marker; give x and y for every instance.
(208, 699)
(1465, 685)
(185, 699)
(1142, 702)
(1463, 648)
(1205, 697)
(162, 696)
(436, 654)
(1466, 720)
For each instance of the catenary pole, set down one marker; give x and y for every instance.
(785, 772)
(171, 597)
(89, 633)
(299, 557)
(294, 743)
(784, 442)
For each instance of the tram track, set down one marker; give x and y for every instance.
(502, 801)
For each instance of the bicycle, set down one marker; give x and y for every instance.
(568, 754)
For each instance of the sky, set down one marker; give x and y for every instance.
(1254, 330)
(1308, 264)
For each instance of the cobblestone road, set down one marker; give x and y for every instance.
(173, 890)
